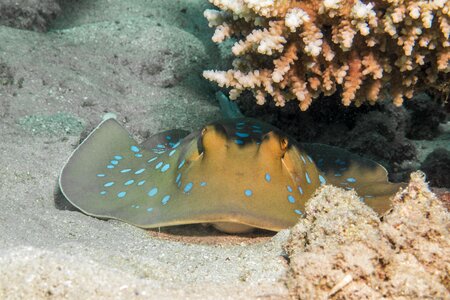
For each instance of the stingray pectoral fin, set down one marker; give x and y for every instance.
(88, 176)
(340, 165)
(163, 140)
(378, 195)
(110, 176)
(351, 171)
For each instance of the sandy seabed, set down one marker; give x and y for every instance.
(143, 62)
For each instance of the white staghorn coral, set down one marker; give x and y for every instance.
(292, 49)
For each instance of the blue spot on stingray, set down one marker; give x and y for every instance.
(168, 137)
(256, 126)
(239, 142)
(337, 174)
(178, 178)
(152, 159)
(101, 175)
(322, 180)
(291, 199)
(161, 146)
(172, 152)
(257, 130)
(340, 162)
(348, 188)
(181, 164)
(150, 209)
(165, 199)
(165, 168)
(298, 212)
(114, 162)
(300, 190)
(179, 184)
(242, 134)
(202, 183)
(248, 193)
(171, 144)
(177, 144)
(139, 171)
(240, 123)
(267, 177)
(304, 161)
(309, 158)
(141, 182)
(110, 166)
(188, 187)
(138, 155)
(103, 193)
(158, 165)
(153, 192)
(108, 184)
(134, 149)
(125, 170)
(118, 157)
(121, 194)
(308, 180)
(131, 181)
(351, 179)
(289, 188)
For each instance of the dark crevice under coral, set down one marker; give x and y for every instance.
(437, 167)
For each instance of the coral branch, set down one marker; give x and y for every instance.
(291, 49)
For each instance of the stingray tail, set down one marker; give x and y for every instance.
(228, 108)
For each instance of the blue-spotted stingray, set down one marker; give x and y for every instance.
(237, 174)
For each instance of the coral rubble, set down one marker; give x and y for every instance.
(292, 49)
(342, 249)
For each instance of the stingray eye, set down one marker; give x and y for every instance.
(284, 144)
(200, 147)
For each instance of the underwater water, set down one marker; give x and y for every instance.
(65, 65)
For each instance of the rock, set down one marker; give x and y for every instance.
(341, 248)
(437, 168)
(28, 14)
